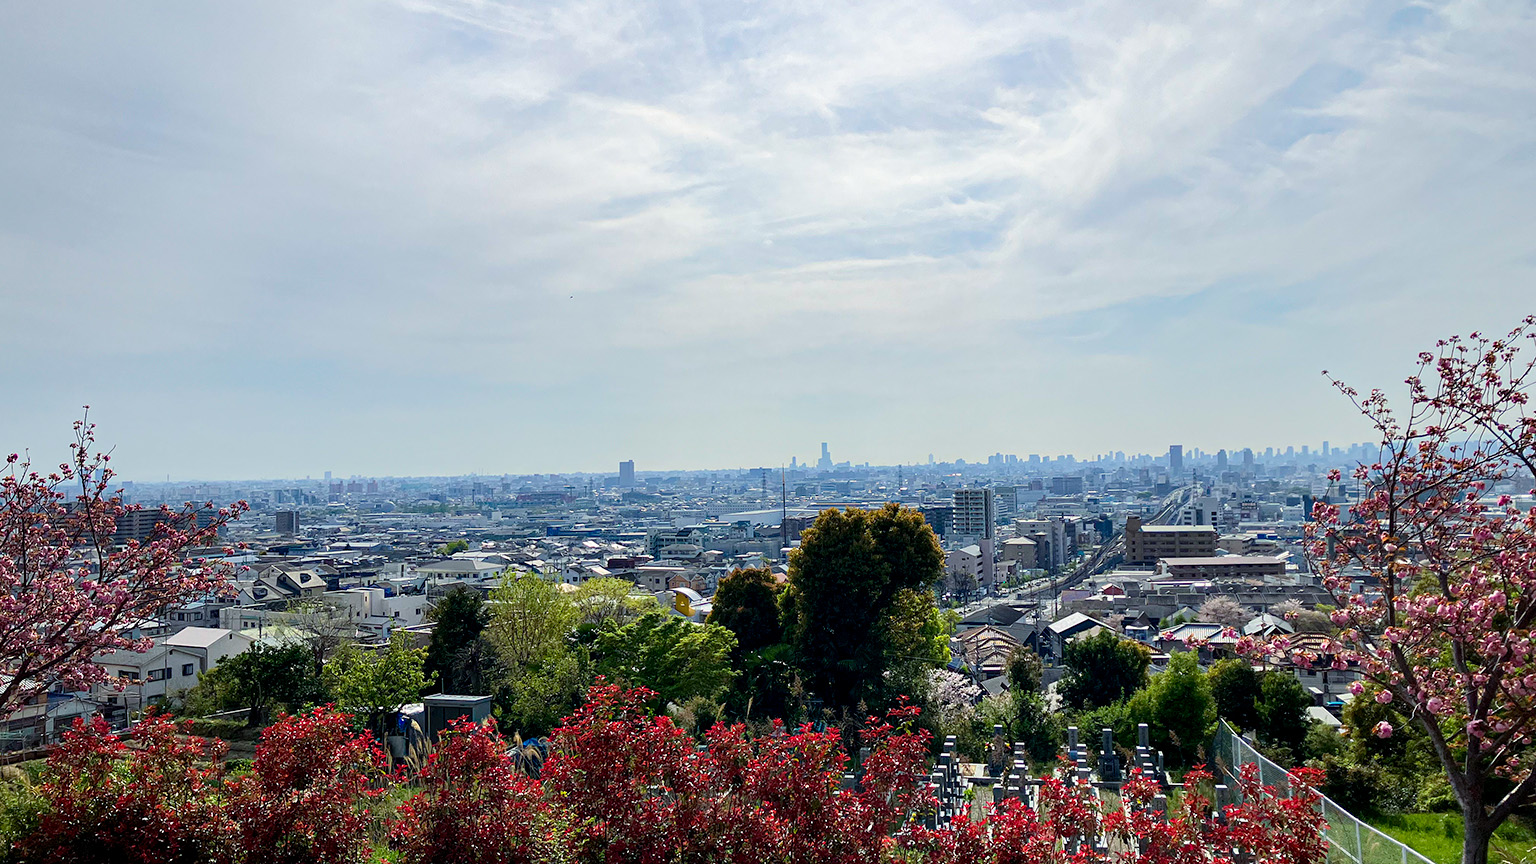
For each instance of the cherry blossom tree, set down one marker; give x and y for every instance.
(68, 591)
(1434, 572)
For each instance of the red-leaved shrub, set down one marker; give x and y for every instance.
(476, 808)
(154, 802)
(306, 798)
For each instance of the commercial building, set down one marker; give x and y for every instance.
(627, 473)
(1223, 567)
(1148, 544)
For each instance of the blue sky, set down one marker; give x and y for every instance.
(443, 237)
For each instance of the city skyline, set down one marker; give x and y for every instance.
(1193, 459)
(441, 237)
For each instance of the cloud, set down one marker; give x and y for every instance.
(598, 230)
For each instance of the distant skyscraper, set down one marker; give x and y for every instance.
(1175, 458)
(287, 522)
(825, 462)
(1221, 460)
(327, 477)
(627, 473)
(1325, 450)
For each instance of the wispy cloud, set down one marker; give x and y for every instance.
(571, 232)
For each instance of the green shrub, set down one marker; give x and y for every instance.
(20, 809)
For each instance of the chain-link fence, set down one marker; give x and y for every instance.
(1350, 841)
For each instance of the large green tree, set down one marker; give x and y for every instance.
(375, 685)
(260, 679)
(606, 599)
(1236, 688)
(747, 603)
(1178, 707)
(458, 620)
(539, 675)
(1282, 710)
(1102, 669)
(858, 583)
(673, 656)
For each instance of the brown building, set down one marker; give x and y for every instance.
(1147, 544)
(1225, 567)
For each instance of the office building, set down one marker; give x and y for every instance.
(1066, 485)
(287, 522)
(627, 473)
(1175, 459)
(1148, 544)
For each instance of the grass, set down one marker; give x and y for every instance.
(1437, 836)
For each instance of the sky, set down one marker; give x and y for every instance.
(432, 237)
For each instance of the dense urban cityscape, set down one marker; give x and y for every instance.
(632, 432)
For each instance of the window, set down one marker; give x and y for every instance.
(130, 674)
(188, 669)
(158, 674)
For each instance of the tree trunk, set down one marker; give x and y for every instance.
(1477, 834)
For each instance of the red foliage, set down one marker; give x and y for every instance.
(151, 802)
(306, 797)
(620, 786)
(647, 793)
(1265, 827)
(476, 808)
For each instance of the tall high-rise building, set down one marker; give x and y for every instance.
(627, 473)
(287, 522)
(1175, 458)
(825, 462)
(975, 513)
(1221, 459)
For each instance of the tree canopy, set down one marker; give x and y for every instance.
(1235, 687)
(68, 591)
(1102, 669)
(747, 603)
(458, 620)
(1178, 707)
(674, 657)
(539, 674)
(376, 684)
(845, 612)
(1450, 635)
(259, 679)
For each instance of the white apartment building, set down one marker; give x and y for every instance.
(975, 514)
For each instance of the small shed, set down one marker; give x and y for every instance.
(444, 708)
